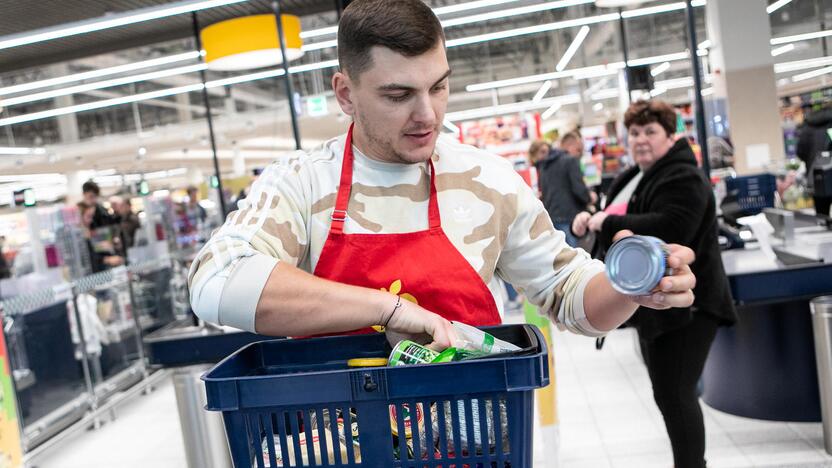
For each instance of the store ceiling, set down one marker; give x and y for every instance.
(20, 16)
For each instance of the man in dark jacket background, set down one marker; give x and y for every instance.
(813, 140)
(562, 184)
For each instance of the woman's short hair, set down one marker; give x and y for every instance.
(535, 147)
(652, 111)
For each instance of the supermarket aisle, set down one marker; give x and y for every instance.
(146, 433)
(608, 420)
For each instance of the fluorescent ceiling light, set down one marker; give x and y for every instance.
(111, 21)
(658, 91)
(782, 50)
(573, 47)
(659, 59)
(551, 111)
(706, 44)
(103, 84)
(659, 9)
(595, 87)
(596, 71)
(437, 11)
(658, 70)
(98, 104)
(532, 30)
(707, 91)
(450, 126)
(519, 31)
(98, 73)
(777, 5)
(500, 14)
(786, 67)
(812, 74)
(468, 6)
(578, 73)
(160, 93)
(20, 151)
(615, 3)
(801, 37)
(319, 32)
(542, 91)
(503, 109)
(608, 93)
(319, 45)
(598, 106)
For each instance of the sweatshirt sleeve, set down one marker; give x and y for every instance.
(537, 260)
(228, 275)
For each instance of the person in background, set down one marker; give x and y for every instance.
(193, 210)
(813, 140)
(562, 183)
(667, 196)
(101, 217)
(102, 251)
(5, 270)
(538, 151)
(127, 222)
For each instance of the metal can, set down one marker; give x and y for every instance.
(635, 265)
(407, 353)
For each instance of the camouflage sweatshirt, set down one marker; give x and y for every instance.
(488, 213)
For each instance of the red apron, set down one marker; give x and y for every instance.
(423, 267)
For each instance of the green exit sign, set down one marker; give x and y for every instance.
(316, 106)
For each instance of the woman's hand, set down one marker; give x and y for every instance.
(580, 223)
(597, 221)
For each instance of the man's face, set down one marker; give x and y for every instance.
(398, 105)
(575, 147)
(90, 198)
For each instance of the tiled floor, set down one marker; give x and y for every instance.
(607, 420)
(608, 417)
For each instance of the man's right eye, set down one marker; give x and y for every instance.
(397, 97)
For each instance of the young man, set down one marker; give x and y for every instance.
(101, 217)
(332, 240)
(562, 183)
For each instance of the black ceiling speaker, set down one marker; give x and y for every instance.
(640, 78)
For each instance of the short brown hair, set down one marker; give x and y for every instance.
(407, 27)
(534, 148)
(652, 111)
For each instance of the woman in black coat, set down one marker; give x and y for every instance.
(667, 196)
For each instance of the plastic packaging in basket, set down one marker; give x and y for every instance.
(296, 403)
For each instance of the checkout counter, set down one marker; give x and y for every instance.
(764, 367)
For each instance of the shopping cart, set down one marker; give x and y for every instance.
(296, 403)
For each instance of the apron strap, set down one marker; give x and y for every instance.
(339, 214)
(434, 219)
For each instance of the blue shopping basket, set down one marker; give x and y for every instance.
(296, 403)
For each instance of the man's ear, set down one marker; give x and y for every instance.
(343, 87)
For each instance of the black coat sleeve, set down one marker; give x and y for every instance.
(576, 183)
(673, 213)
